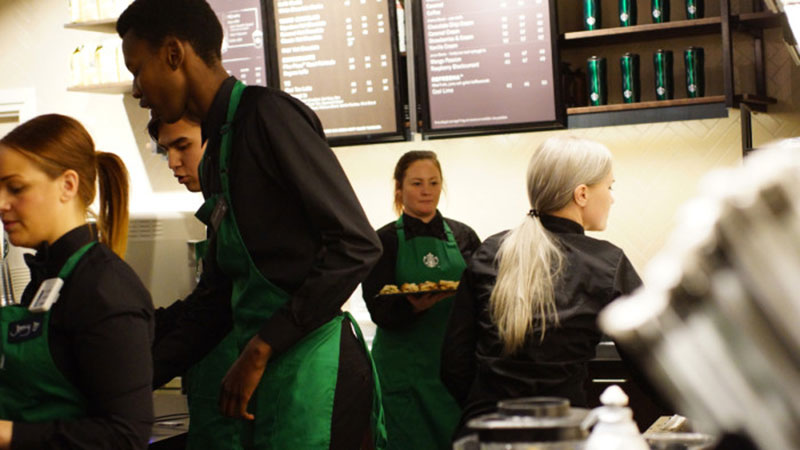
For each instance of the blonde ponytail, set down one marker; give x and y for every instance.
(529, 259)
(112, 217)
(523, 296)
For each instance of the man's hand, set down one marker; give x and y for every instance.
(6, 428)
(242, 379)
(423, 302)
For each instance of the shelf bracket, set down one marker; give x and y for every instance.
(746, 120)
(727, 52)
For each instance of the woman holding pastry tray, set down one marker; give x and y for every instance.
(409, 296)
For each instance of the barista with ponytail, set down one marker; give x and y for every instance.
(523, 321)
(76, 365)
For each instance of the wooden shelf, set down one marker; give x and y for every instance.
(760, 20)
(666, 30)
(753, 99)
(650, 31)
(102, 25)
(645, 105)
(109, 88)
(647, 112)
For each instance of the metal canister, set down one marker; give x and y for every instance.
(659, 10)
(695, 9)
(627, 13)
(662, 69)
(694, 58)
(631, 88)
(591, 14)
(596, 72)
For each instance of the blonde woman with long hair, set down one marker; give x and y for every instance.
(523, 322)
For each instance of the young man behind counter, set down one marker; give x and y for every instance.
(288, 238)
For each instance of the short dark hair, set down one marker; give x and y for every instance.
(154, 127)
(190, 20)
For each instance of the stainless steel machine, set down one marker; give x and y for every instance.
(717, 324)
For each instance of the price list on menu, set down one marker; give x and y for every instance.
(336, 56)
(488, 62)
(243, 39)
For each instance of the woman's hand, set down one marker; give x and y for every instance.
(242, 379)
(423, 302)
(5, 434)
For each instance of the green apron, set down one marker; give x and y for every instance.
(293, 403)
(32, 388)
(208, 427)
(420, 413)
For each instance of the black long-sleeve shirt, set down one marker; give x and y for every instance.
(473, 368)
(100, 333)
(299, 218)
(396, 312)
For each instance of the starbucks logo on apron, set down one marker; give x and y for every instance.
(430, 260)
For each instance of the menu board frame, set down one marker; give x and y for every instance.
(402, 132)
(215, 6)
(423, 98)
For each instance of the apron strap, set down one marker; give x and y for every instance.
(379, 427)
(227, 136)
(401, 233)
(69, 266)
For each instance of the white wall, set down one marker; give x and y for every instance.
(34, 53)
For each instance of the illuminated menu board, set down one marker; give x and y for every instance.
(243, 39)
(488, 63)
(337, 56)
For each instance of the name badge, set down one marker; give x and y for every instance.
(220, 209)
(46, 296)
(25, 329)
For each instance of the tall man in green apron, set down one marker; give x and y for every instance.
(287, 235)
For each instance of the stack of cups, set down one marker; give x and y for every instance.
(627, 13)
(596, 71)
(662, 71)
(659, 10)
(694, 59)
(629, 68)
(695, 9)
(591, 14)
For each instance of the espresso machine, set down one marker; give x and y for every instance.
(716, 323)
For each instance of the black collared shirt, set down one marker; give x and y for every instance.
(100, 333)
(394, 312)
(473, 368)
(299, 218)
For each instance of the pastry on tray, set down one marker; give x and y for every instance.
(409, 287)
(389, 289)
(428, 286)
(448, 285)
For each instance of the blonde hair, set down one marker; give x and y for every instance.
(529, 260)
(57, 143)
